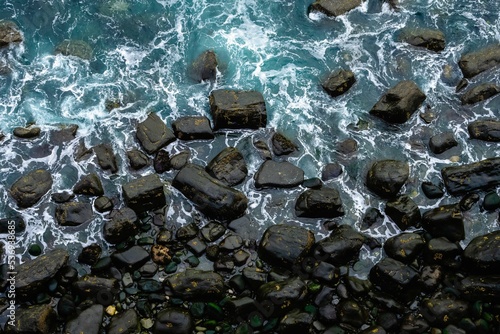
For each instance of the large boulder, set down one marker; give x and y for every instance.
(193, 284)
(404, 212)
(445, 221)
(9, 33)
(173, 320)
(399, 103)
(28, 189)
(88, 321)
(121, 226)
(431, 39)
(210, 195)
(73, 213)
(386, 177)
(479, 61)
(192, 128)
(480, 93)
(35, 319)
(482, 254)
(341, 247)
(145, 193)
(204, 67)
(334, 7)
(153, 134)
(238, 109)
(319, 203)
(339, 82)
(395, 278)
(487, 130)
(228, 166)
(279, 175)
(483, 175)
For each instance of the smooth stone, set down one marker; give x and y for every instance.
(443, 252)
(440, 312)
(193, 284)
(338, 82)
(341, 247)
(386, 177)
(431, 276)
(313, 183)
(145, 193)
(132, 258)
(121, 226)
(137, 159)
(246, 227)
(19, 224)
(491, 201)
(196, 246)
(272, 174)
(126, 322)
(187, 232)
(31, 187)
(103, 204)
(480, 175)
(326, 272)
(213, 231)
(348, 146)
(485, 288)
(404, 212)
(394, 278)
(153, 134)
(254, 277)
(161, 162)
(331, 171)
(282, 145)
(405, 247)
(444, 221)
(89, 185)
(27, 133)
(480, 93)
(296, 321)
(442, 142)
(106, 157)
(334, 8)
(192, 128)
(487, 130)
(173, 320)
(431, 190)
(35, 250)
(231, 243)
(352, 313)
(228, 166)
(481, 254)
(88, 321)
(431, 39)
(319, 203)
(479, 61)
(180, 160)
(285, 295)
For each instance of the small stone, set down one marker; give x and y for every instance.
(431, 190)
(313, 183)
(197, 246)
(371, 217)
(231, 243)
(28, 132)
(89, 185)
(187, 232)
(160, 254)
(347, 146)
(111, 310)
(137, 159)
(282, 145)
(90, 254)
(179, 160)
(339, 81)
(442, 142)
(263, 149)
(240, 257)
(103, 204)
(62, 197)
(491, 201)
(161, 162)
(35, 250)
(331, 171)
(106, 157)
(213, 231)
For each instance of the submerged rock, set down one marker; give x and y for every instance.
(431, 39)
(73, 213)
(480, 93)
(204, 67)
(121, 226)
(193, 284)
(482, 255)
(442, 142)
(192, 128)
(153, 134)
(404, 212)
(488, 130)
(444, 221)
(30, 188)
(341, 247)
(173, 320)
(479, 61)
(339, 82)
(106, 157)
(9, 33)
(137, 159)
(463, 179)
(334, 7)
(88, 321)
(279, 175)
(77, 48)
(386, 177)
(319, 203)
(145, 193)
(282, 145)
(89, 185)
(35, 319)
(228, 166)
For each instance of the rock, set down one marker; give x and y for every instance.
(468, 201)
(213, 231)
(341, 247)
(481, 254)
(485, 288)
(326, 272)
(405, 247)
(131, 259)
(338, 82)
(228, 166)
(187, 232)
(399, 103)
(121, 226)
(180, 160)
(145, 193)
(153, 134)
(27, 133)
(394, 278)
(76, 48)
(204, 67)
(487, 130)
(432, 191)
(160, 254)
(173, 320)
(73, 213)
(231, 243)
(161, 162)
(106, 157)
(62, 197)
(192, 128)
(404, 212)
(352, 313)
(491, 201)
(319, 203)
(254, 276)
(89, 185)
(443, 252)
(347, 146)
(431, 277)
(285, 295)
(279, 175)
(88, 321)
(480, 93)
(197, 246)
(479, 61)
(431, 39)
(81, 151)
(237, 109)
(211, 196)
(126, 322)
(263, 149)
(90, 254)
(386, 177)
(282, 145)
(442, 142)
(193, 284)
(247, 228)
(101, 290)
(137, 159)
(103, 204)
(9, 33)
(313, 183)
(33, 275)
(296, 322)
(331, 171)
(441, 312)
(371, 217)
(285, 245)
(482, 175)
(35, 319)
(444, 221)
(334, 8)
(65, 133)
(30, 188)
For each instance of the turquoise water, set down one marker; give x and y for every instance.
(141, 55)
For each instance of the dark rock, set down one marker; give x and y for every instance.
(481, 254)
(347, 146)
(386, 177)
(263, 149)
(405, 247)
(352, 313)
(211, 196)
(204, 67)
(485, 288)
(89, 185)
(196, 246)
(35, 319)
(149, 285)
(444, 221)
(319, 203)
(394, 278)
(240, 257)
(90, 254)
(153, 134)
(461, 85)
(452, 329)
(73, 213)
(126, 322)
(431, 277)
(338, 82)
(246, 228)
(161, 254)
(334, 8)
(132, 258)
(479, 61)
(440, 312)
(193, 284)
(431, 190)
(228, 166)
(76, 48)
(62, 197)
(231, 243)
(237, 109)
(224, 263)
(313, 183)
(480, 93)
(285, 245)
(491, 201)
(373, 329)
(296, 322)
(187, 232)
(173, 320)
(488, 130)
(145, 193)
(372, 216)
(331, 171)
(161, 162)
(213, 231)
(88, 321)
(482, 175)
(427, 38)
(81, 151)
(341, 247)
(103, 204)
(180, 160)
(443, 252)
(468, 201)
(282, 145)
(278, 174)
(388, 321)
(101, 290)
(241, 306)
(27, 133)
(121, 226)
(106, 157)
(412, 324)
(212, 252)
(285, 295)
(137, 159)
(442, 142)
(254, 276)
(192, 128)
(65, 133)
(404, 212)
(30, 188)
(9, 33)
(326, 272)
(19, 224)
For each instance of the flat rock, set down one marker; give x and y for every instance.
(430, 39)
(405, 247)
(65, 133)
(88, 321)
(319, 203)
(131, 259)
(480, 93)
(126, 322)
(480, 175)
(180, 160)
(482, 254)
(192, 128)
(153, 134)
(89, 185)
(334, 8)
(394, 278)
(35, 319)
(487, 130)
(228, 166)
(282, 145)
(9, 33)
(404, 212)
(173, 320)
(121, 226)
(341, 247)
(137, 159)
(30, 188)
(479, 61)
(106, 157)
(102, 290)
(76, 48)
(73, 213)
(204, 67)
(442, 142)
(145, 193)
(193, 284)
(338, 82)
(386, 177)
(444, 221)
(272, 174)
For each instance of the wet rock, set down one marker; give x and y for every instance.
(412, 324)
(161, 254)
(213, 231)
(211, 196)
(341, 247)
(326, 272)
(88, 321)
(196, 246)
(33, 275)
(228, 166)
(431, 277)
(145, 193)
(81, 151)
(480, 93)
(488, 130)
(334, 8)
(442, 142)
(65, 133)
(331, 171)
(394, 278)
(132, 258)
(73, 213)
(153, 134)
(282, 145)
(9, 33)
(187, 232)
(313, 183)
(479, 61)
(285, 295)
(247, 228)
(386, 177)
(35, 319)
(173, 320)
(352, 313)
(285, 245)
(193, 284)
(27, 133)
(192, 128)
(76, 48)
(444, 221)
(90, 254)
(405, 247)
(440, 312)
(399, 103)
(106, 157)
(126, 322)
(481, 254)
(121, 226)
(482, 175)
(180, 160)
(371, 217)
(443, 252)
(485, 288)
(101, 290)
(237, 109)
(319, 203)
(431, 39)
(373, 329)
(30, 188)
(431, 190)
(347, 146)
(231, 243)
(263, 149)
(279, 175)
(161, 162)
(137, 159)
(103, 204)
(404, 212)
(241, 306)
(62, 197)
(204, 67)
(491, 201)
(338, 82)
(296, 322)
(89, 185)
(468, 201)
